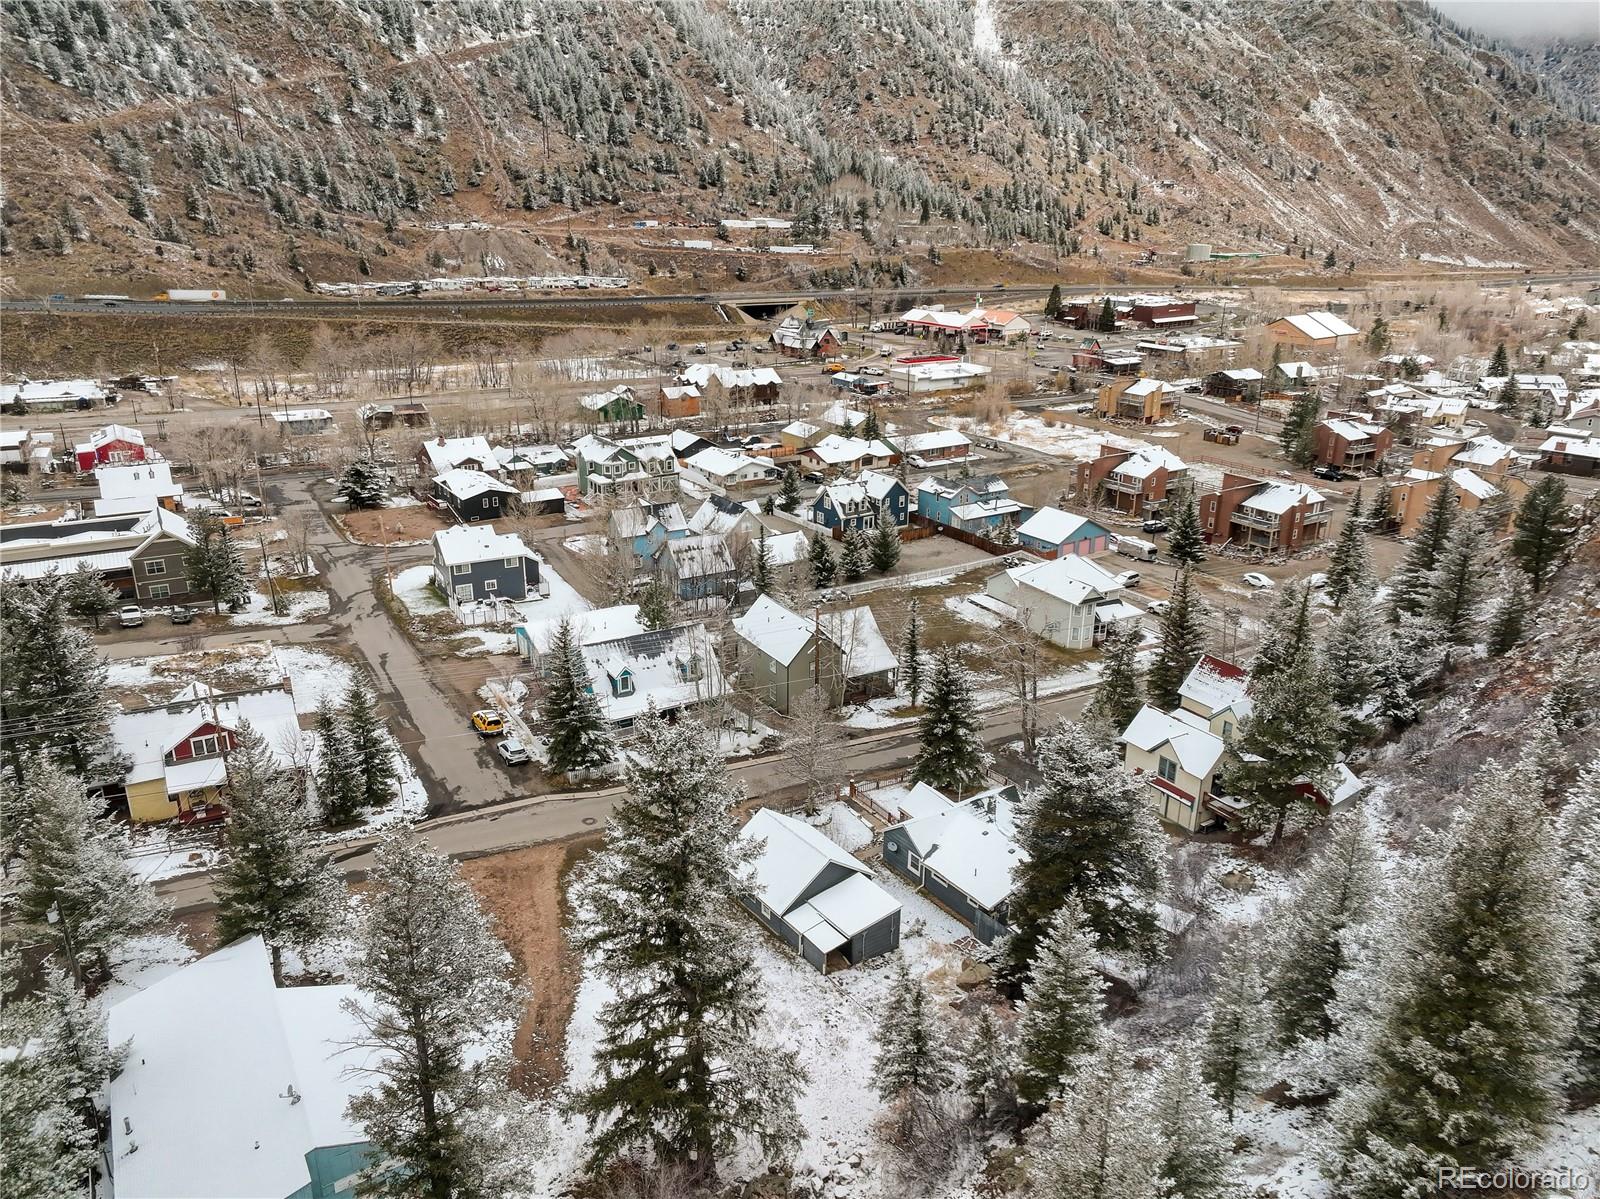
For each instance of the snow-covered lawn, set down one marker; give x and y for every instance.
(1073, 442)
(414, 588)
(298, 607)
(844, 827)
(828, 1021)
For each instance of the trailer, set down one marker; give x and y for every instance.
(191, 295)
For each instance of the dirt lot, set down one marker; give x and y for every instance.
(522, 890)
(390, 526)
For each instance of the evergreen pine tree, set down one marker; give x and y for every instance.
(1100, 1141)
(1286, 641)
(1090, 835)
(1410, 584)
(655, 604)
(1462, 1059)
(1338, 891)
(986, 1065)
(577, 736)
(339, 778)
(1183, 640)
(1108, 316)
(1052, 305)
(913, 1060)
(789, 496)
(853, 561)
(885, 549)
(1062, 1007)
(761, 565)
(1580, 829)
(953, 758)
(1510, 397)
(1185, 545)
(1290, 738)
(1457, 584)
(364, 484)
(911, 655)
(435, 1003)
(1006, 532)
(52, 686)
(1350, 656)
(1196, 1160)
(369, 745)
(1350, 563)
(1510, 616)
(1381, 515)
(683, 1066)
(1237, 1036)
(869, 427)
(820, 558)
(75, 865)
(267, 880)
(87, 595)
(212, 563)
(1406, 669)
(1500, 364)
(1120, 694)
(1299, 435)
(1542, 530)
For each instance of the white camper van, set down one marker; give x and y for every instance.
(1138, 550)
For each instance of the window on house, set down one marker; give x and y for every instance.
(1167, 769)
(155, 566)
(461, 569)
(625, 683)
(491, 585)
(160, 591)
(913, 862)
(203, 747)
(511, 563)
(1227, 728)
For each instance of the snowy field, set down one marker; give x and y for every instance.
(298, 607)
(414, 588)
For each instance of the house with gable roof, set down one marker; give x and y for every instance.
(141, 554)
(114, 445)
(963, 853)
(1270, 515)
(1133, 482)
(978, 505)
(1050, 533)
(1071, 601)
(1312, 331)
(783, 655)
(646, 465)
(673, 670)
(473, 495)
(645, 526)
(264, 1074)
(699, 567)
(474, 564)
(439, 455)
(815, 897)
(855, 504)
(1351, 444)
(1131, 398)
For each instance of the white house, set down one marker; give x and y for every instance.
(234, 1087)
(723, 468)
(1069, 601)
(675, 669)
(299, 421)
(136, 487)
(938, 446)
(926, 378)
(444, 454)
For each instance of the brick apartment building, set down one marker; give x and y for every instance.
(1274, 517)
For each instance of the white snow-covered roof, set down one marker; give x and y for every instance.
(855, 631)
(852, 906)
(447, 453)
(933, 371)
(869, 487)
(1052, 526)
(1244, 374)
(601, 399)
(978, 509)
(939, 439)
(785, 549)
(1146, 460)
(636, 520)
(46, 391)
(1474, 484)
(1584, 447)
(671, 668)
(793, 856)
(801, 430)
(146, 735)
(1353, 430)
(520, 457)
(1278, 498)
(722, 464)
(835, 450)
(134, 487)
(700, 555)
(1196, 749)
(970, 845)
(230, 1081)
(1483, 451)
(774, 630)
(104, 436)
(1298, 370)
(590, 628)
(1215, 685)
(1320, 326)
(701, 373)
(462, 545)
(295, 416)
(464, 484)
(1144, 387)
(1072, 580)
(719, 515)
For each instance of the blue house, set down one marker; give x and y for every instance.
(699, 567)
(474, 563)
(248, 1101)
(643, 528)
(977, 505)
(855, 504)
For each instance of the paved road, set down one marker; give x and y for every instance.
(530, 821)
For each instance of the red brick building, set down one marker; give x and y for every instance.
(1352, 444)
(1275, 517)
(1131, 481)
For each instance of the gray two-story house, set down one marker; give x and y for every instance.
(815, 897)
(474, 563)
(782, 655)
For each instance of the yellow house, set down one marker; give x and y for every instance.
(177, 751)
(1179, 754)
(1136, 399)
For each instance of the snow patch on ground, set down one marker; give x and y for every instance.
(298, 607)
(1073, 442)
(586, 543)
(843, 825)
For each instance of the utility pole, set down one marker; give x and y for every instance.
(266, 567)
(383, 536)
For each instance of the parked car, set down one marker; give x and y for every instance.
(1157, 607)
(1331, 473)
(812, 476)
(130, 616)
(1257, 580)
(512, 752)
(182, 615)
(1154, 525)
(672, 345)
(486, 722)
(1128, 578)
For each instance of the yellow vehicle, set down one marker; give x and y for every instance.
(488, 723)
(833, 368)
